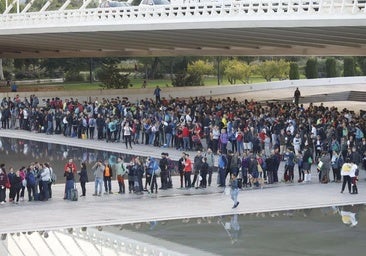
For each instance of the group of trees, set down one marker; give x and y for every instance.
(183, 71)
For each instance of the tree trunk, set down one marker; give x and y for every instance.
(1, 70)
(154, 68)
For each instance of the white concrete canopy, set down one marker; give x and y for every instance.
(267, 27)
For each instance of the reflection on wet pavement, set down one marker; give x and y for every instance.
(319, 231)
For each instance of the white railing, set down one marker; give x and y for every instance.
(182, 12)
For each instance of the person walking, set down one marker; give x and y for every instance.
(234, 190)
(83, 178)
(346, 172)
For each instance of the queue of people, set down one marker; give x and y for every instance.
(249, 139)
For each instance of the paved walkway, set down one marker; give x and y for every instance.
(170, 204)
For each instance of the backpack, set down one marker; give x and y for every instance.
(53, 176)
(171, 165)
(31, 179)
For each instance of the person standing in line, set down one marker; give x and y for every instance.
(83, 178)
(24, 183)
(45, 179)
(297, 95)
(120, 170)
(211, 163)
(181, 169)
(163, 164)
(17, 185)
(127, 133)
(107, 178)
(138, 172)
(72, 165)
(203, 173)
(98, 169)
(11, 176)
(69, 175)
(197, 164)
(234, 190)
(3, 182)
(187, 171)
(222, 165)
(50, 170)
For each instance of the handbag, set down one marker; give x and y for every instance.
(259, 167)
(310, 160)
(7, 184)
(320, 165)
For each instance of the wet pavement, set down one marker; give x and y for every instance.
(175, 203)
(169, 204)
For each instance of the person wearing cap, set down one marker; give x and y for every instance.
(163, 164)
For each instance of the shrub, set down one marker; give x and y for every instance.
(294, 71)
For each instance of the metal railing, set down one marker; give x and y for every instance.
(245, 9)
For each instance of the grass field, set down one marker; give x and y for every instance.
(137, 83)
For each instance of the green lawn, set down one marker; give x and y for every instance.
(137, 83)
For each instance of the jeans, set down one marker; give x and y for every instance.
(98, 185)
(168, 137)
(107, 184)
(234, 195)
(222, 173)
(68, 186)
(186, 144)
(45, 192)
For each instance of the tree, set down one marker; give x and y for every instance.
(331, 67)
(283, 69)
(349, 68)
(111, 77)
(311, 69)
(268, 69)
(2, 6)
(294, 71)
(236, 70)
(200, 68)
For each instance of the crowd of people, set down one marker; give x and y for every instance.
(249, 139)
